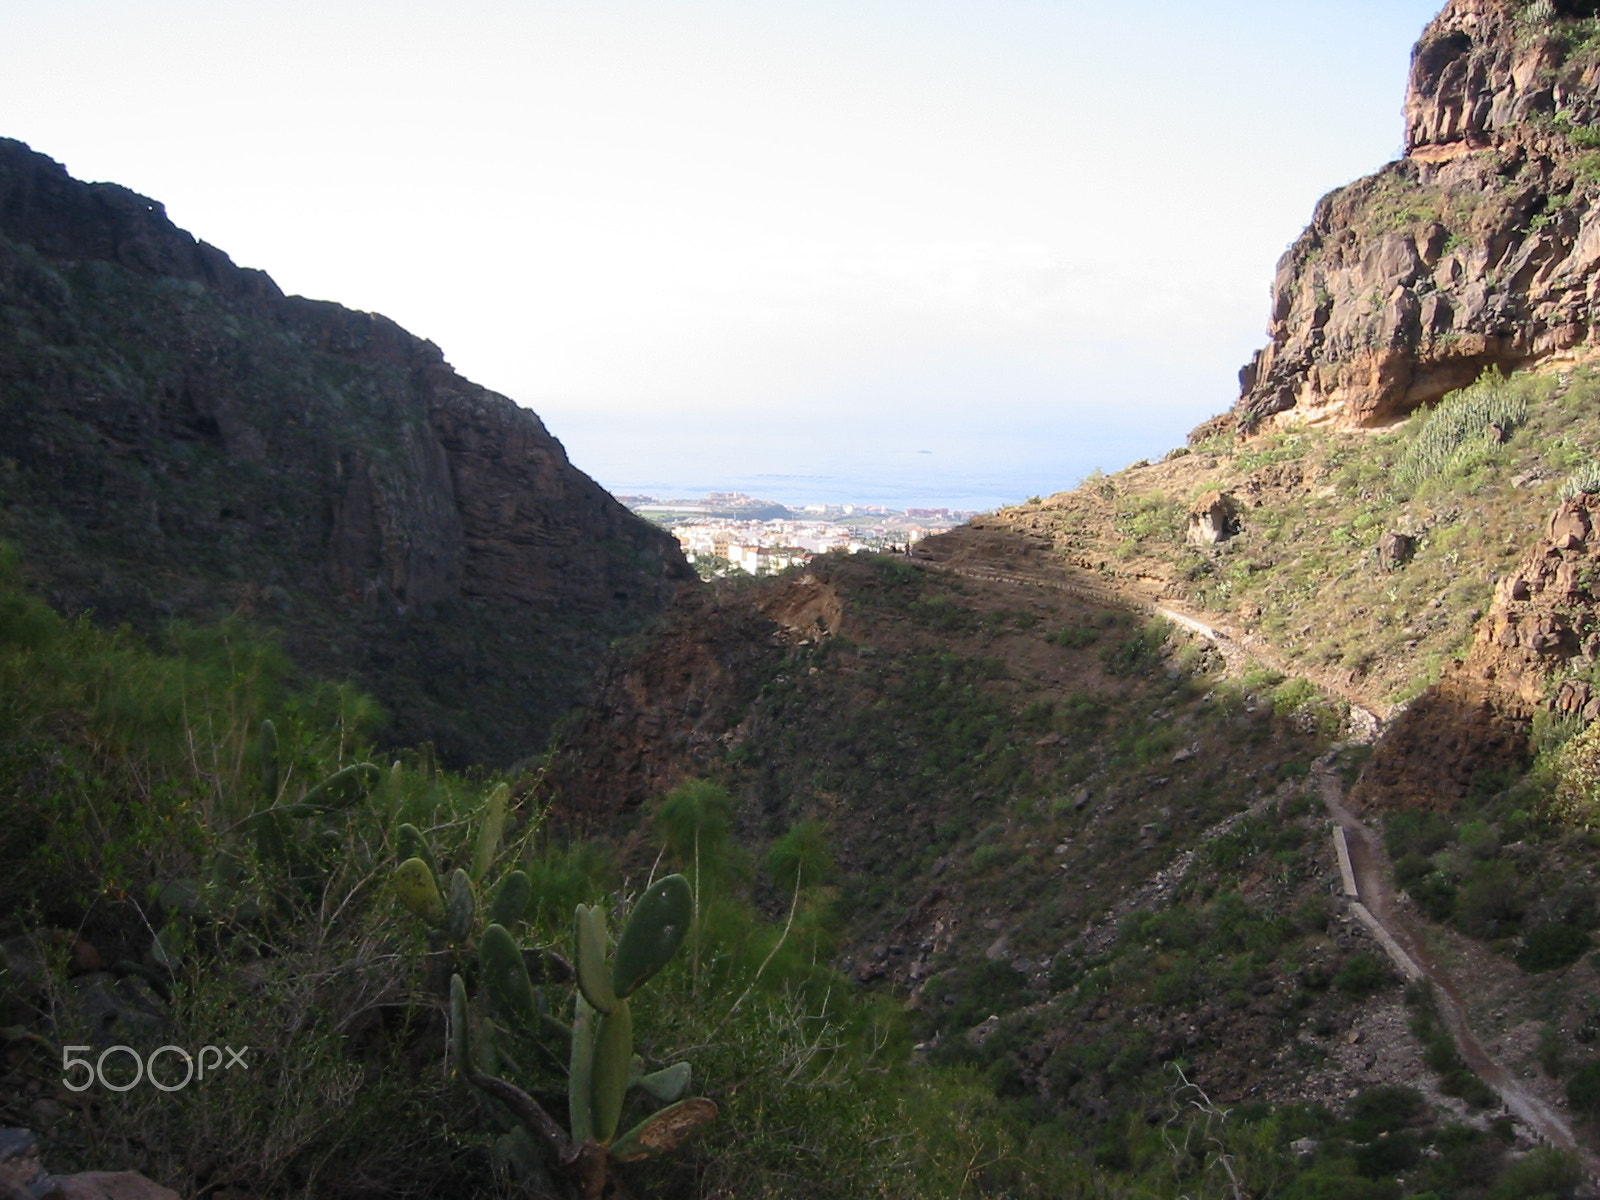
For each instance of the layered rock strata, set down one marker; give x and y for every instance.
(1480, 248)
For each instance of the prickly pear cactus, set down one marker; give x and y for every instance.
(656, 928)
(419, 891)
(449, 904)
(510, 904)
(601, 1066)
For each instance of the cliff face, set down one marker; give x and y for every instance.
(178, 438)
(1479, 248)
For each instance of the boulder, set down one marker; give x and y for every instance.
(1213, 519)
(1395, 550)
(110, 1185)
(22, 1177)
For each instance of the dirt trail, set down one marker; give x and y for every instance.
(1366, 712)
(1370, 866)
(1373, 902)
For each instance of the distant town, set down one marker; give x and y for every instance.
(725, 532)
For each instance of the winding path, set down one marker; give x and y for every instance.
(1372, 901)
(1362, 860)
(1366, 713)
(1364, 866)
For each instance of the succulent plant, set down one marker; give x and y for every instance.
(450, 904)
(270, 826)
(601, 1065)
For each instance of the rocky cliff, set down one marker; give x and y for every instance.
(1479, 248)
(180, 439)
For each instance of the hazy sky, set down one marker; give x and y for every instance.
(930, 251)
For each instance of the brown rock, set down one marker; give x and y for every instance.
(1479, 248)
(22, 1176)
(1569, 526)
(1477, 717)
(1395, 550)
(1213, 519)
(110, 1185)
(85, 957)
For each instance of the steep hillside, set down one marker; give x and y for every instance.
(180, 439)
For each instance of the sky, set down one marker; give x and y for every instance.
(911, 252)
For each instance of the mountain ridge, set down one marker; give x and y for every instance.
(180, 439)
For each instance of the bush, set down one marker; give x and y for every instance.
(1460, 432)
(1362, 974)
(1546, 1174)
(1140, 654)
(1577, 791)
(1417, 831)
(1384, 1110)
(1479, 839)
(1325, 1184)
(1583, 1089)
(1489, 903)
(1584, 481)
(1384, 1158)
(1551, 946)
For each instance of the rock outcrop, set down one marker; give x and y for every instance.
(1480, 248)
(1538, 648)
(180, 439)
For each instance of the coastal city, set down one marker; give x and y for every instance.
(730, 532)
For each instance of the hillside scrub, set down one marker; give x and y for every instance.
(313, 963)
(1471, 480)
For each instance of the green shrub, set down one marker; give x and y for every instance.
(1546, 1174)
(1584, 481)
(1076, 638)
(1362, 974)
(1384, 1158)
(1140, 654)
(1325, 1183)
(988, 854)
(1416, 831)
(1583, 1088)
(1548, 947)
(1384, 1110)
(1479, 839)
(1489, 902)
(1458, 433)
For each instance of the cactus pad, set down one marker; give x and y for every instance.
(580, 1075)
(511, 898)
(593, 978)
(491, 831)
(458, 1025)
(655, 930)
(505, 976)
(613, 1052)
(668, 1084)
(409, 843)
(344, 788)
(462, 907)
(418, 891)
(664, 1130)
